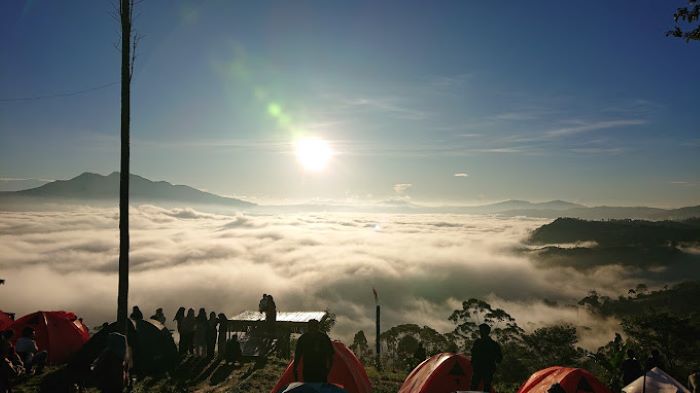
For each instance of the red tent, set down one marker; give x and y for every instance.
(6, 320)
(442, 373)
(347, 371)
(58, 332)
(572, 380)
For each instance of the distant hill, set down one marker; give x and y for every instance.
(95, 187)
(618, 232)
(610, 212)
(665, 249)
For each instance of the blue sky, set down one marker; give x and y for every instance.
(587, 102)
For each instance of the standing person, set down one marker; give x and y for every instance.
(654, 360)
(262, 304)
(200, 333)
(223, 329)
(694, 381)
(316, 350)
(271, 314)
(486, 354)
(159, 316)
(179, 318)
(136, 314)
(211, 334)
(29, 352)
(188, 326)
(631, 368)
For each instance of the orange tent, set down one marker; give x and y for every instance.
(347, 371)
(58, 332)
(442, 373)
(572, 380)
(6, 320)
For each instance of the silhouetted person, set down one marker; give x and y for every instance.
(110, 367)
(159, 316)
(315, 349)
(179, 318)
(223, 329)
(654, 360)
(233, 352)
(271, 314)
(200, 333)
(631, 368)
(694, 381)
(8, 371)
(136, 314)
(262, 304)
(187, 335)
(486, 354)
(211, 334)
(6, 340)
(29, 352)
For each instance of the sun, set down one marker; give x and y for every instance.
(313, 154)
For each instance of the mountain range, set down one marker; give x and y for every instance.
(102, 189)
(92, 188)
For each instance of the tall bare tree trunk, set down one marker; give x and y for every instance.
(125, 13)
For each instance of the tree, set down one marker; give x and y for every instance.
(475, 312)
(673, 334)
(128, 50)
(689, 15)
(554, 345)
(359, 345)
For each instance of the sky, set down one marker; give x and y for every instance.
(459, 102)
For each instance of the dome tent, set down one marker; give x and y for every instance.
(572, 380)
(6, 320)
(152, 347)
(441, 373)
(656, 381)
(347, 371)
(60, 333)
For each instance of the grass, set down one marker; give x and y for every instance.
(195, 375)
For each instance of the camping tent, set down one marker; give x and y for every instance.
(153, 348)
(441, 373)
(346, 371)
(6, 320)
(657, 381)
(58, 332)
(572, 380)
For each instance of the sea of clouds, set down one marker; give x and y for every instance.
(423, 266)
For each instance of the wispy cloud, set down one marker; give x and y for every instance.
(587, 126)
(461, 174)
(401, 188)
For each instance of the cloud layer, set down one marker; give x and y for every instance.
(422, 265)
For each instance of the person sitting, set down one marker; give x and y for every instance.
(233, 352)
(315, 349)
(29, 352)
(136, 314)
(6, 339)
(159, 316)
(8, 371)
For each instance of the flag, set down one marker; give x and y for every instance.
(376, 296)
